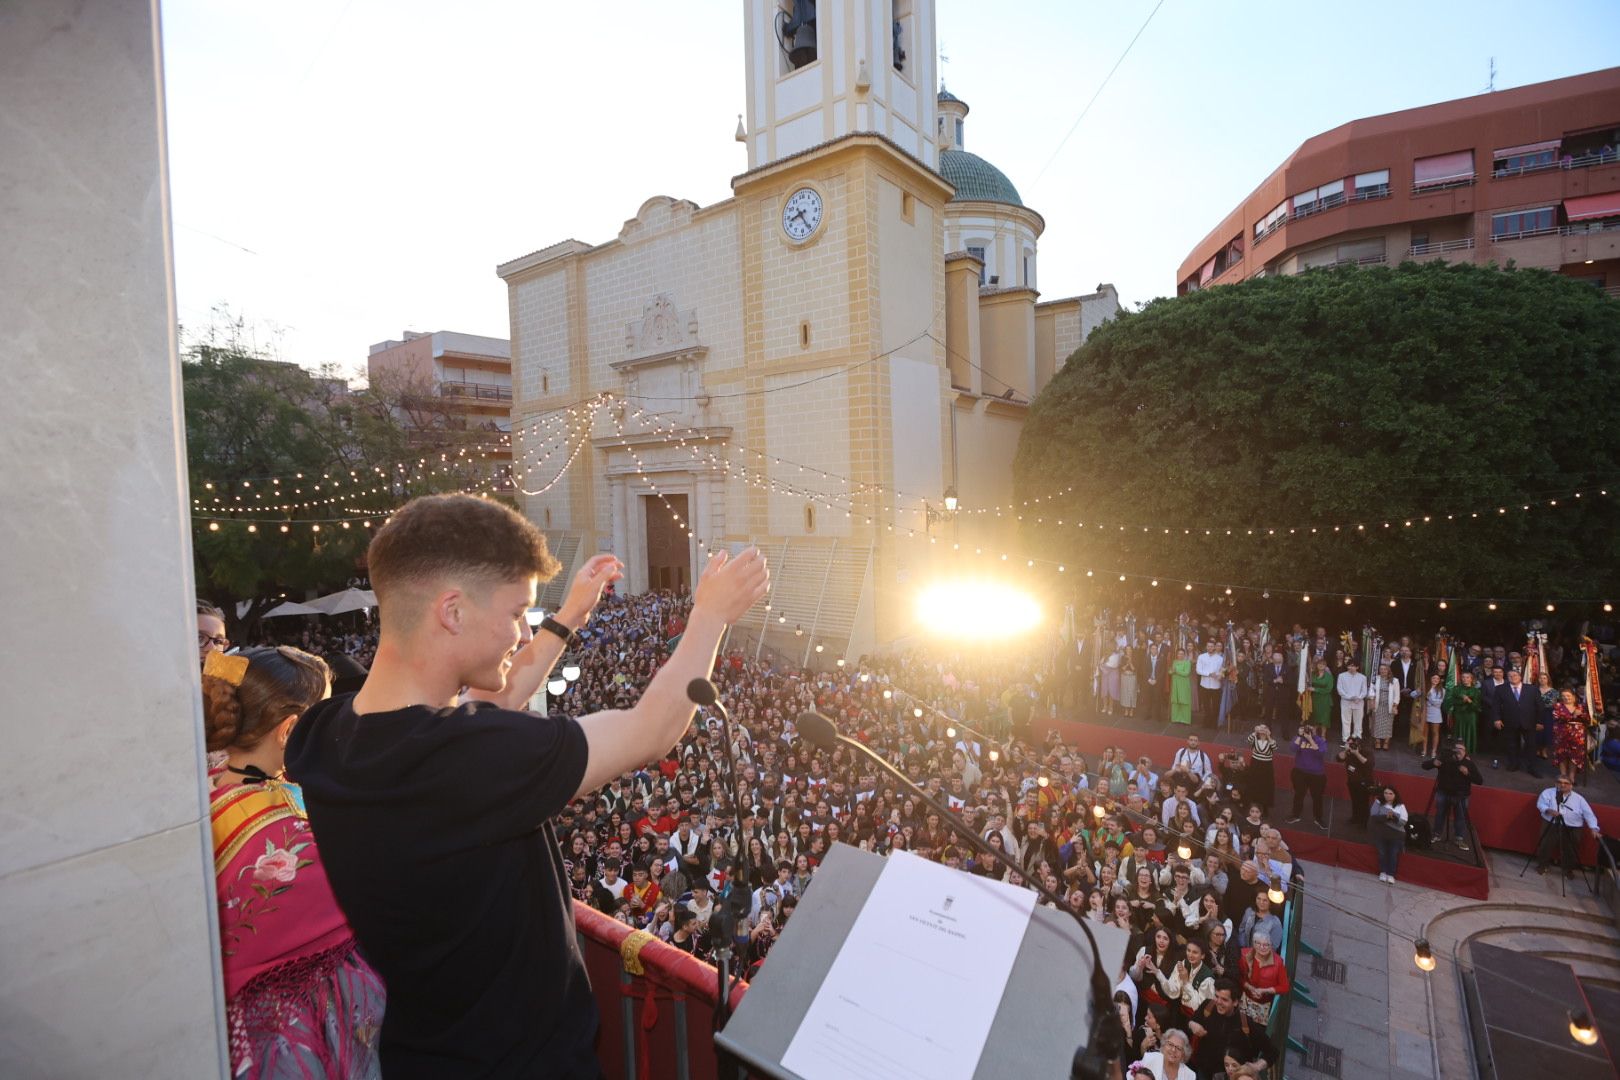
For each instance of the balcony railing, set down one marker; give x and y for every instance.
(1372, 191)
(1582, 228)
(477, 391)
(1443, 185)
(1317, 206)
(1524, 234)
(1269, 229)
(1441, 247)
(1364, 260)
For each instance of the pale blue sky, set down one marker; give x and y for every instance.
(377, 158)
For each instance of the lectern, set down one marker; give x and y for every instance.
(1043, 1015)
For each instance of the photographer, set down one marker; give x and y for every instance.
(1358, 774)
(1454, 779)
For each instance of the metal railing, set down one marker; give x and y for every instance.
(1372, 191)
(1441, 247)
(1317, 206)
(1442, 185)
(1524, 234)
(1581, 228)
(477, 391)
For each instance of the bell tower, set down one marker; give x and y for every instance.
(822, 69)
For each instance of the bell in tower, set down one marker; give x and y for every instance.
(796, 33)
(820, 71)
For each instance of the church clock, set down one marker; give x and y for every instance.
(801, 214)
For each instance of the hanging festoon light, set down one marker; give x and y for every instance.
(570, 672)
(1581, 1028)
(1422, 955)
(1184, 851)
(1275, 894)
(557, 687)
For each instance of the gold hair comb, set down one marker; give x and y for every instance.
(229, 668)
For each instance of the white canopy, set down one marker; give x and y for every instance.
(291, 607)
(347, 600)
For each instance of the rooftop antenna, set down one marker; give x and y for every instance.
(1490, 86)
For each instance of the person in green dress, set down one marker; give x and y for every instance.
(1462, 706)
(1181, 689)
(1322, 697)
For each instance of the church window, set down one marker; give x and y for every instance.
(978, 253)
(960, 145)
(796, 34)
(804, 333)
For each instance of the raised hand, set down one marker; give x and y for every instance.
(730, 586)
(586, 591)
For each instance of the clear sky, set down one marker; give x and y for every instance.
(343, 170)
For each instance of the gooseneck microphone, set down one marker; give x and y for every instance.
(1093, 1061)
(729, 914)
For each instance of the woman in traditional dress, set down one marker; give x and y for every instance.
(1569, 750)
(299, 999)
(1108, 701)
(1127, 683)
(1181, 689)
(1322, 696)
(1385, 691)
(1546, 721)
(1462, 706)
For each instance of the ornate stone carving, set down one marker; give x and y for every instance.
(663, 329)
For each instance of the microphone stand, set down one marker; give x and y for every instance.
(726, 917)
(1092, 1061)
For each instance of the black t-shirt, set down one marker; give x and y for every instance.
(434, 827)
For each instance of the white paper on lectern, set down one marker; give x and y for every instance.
(915, 987)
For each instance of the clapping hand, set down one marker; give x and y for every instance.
(730, 586)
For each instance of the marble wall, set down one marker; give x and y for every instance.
(108, 942)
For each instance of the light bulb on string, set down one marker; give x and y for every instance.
(1581, 1028)
(1423, 955)
(1276, 895)
(1184, 851)
(1099, 811)
(917, 712)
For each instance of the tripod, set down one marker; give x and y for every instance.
(1568, 853)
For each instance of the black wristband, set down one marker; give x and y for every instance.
(552, 626)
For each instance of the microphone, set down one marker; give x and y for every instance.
(701, 691)
(1107, 1035)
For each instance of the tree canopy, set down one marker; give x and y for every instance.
(251, 421)
(1348, 397)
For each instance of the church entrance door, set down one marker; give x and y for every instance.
(669, 563)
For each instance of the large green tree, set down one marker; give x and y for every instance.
(1343, 397)
(251, 421)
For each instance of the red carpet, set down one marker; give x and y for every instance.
(1502, 819)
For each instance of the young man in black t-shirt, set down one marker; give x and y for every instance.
(434, 818)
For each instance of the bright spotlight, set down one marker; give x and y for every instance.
(977, 609)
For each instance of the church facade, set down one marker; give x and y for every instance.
(832, 364)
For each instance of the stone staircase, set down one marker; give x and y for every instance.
(565, 549)
(816, 586)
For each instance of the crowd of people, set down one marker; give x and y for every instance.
(1409, 690)
(1182, 855)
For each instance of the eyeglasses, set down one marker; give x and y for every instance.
(218, 642)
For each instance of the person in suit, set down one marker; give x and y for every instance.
(1277, 683)
(1153, 673)
(1408, 672)
(1490, 712)
(1518, 707)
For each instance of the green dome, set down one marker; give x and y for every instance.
(976, 179)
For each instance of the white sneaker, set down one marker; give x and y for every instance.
(1385, 878)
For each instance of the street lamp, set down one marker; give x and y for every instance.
(950, 500)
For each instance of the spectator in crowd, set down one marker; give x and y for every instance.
(210, 631)
(1309, 774)
(1321, 690)
(1181, 701)
(1464, 703)
(1359, 765)
(1170, 1063)
(1211, 681)
(1388, 832)
(1517, 706)
(1353, 694)
(1570, 725)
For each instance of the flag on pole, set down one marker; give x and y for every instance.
(1594, 692)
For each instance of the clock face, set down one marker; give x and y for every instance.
(801, 215)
